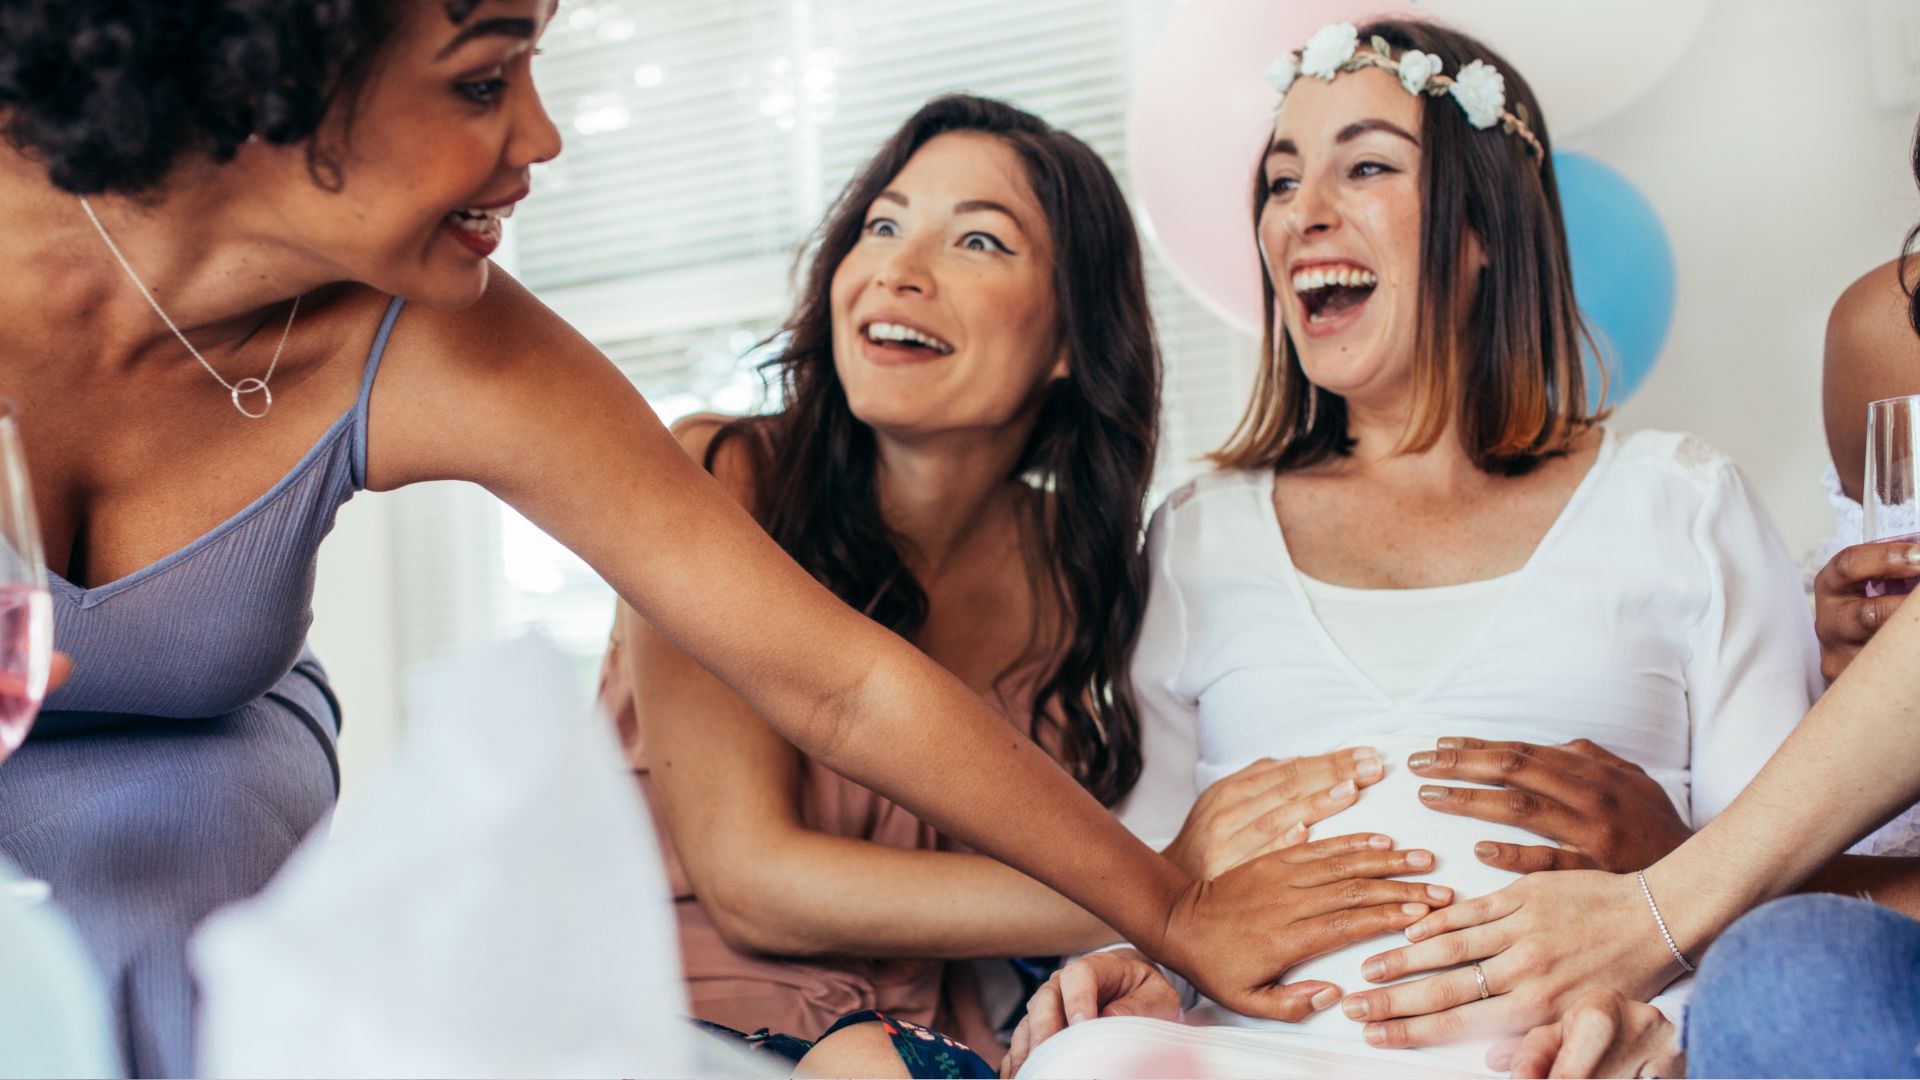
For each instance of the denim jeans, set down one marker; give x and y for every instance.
(1809, 986)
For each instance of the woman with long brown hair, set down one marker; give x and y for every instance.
(1423, 536)
(970, 386)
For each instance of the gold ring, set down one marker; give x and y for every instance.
(1480, 977)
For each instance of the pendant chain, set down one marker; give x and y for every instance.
(236, 390)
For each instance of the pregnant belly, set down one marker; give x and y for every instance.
(1392, 807)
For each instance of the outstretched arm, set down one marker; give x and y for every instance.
(506, 395)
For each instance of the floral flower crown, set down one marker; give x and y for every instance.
(1478, 86)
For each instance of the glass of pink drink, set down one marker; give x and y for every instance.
(26, 610)
(1890, 494)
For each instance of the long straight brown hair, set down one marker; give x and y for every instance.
(1091, 450)
(1511, 375)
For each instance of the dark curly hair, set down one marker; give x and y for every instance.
(110, 95)
(1091, 448)
(1910, 284)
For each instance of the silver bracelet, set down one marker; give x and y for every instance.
(1662, 923)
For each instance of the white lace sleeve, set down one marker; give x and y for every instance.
(1849, 526)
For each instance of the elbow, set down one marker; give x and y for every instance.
(751, 918)
(825, 727)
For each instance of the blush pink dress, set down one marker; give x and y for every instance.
(803, 997)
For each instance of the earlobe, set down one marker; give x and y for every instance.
(1060, 369)
(1475, 253)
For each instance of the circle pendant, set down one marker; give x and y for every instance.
(252, 386)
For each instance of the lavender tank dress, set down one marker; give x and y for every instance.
(194, 746)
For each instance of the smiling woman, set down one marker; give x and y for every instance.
(964, 452)
(1575, 643)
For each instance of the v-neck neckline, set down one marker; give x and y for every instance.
(1518, 583)
(87, 597)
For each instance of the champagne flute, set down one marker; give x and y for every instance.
(1890, 502)
(26, 609)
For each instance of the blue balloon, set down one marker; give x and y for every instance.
(1622, 270)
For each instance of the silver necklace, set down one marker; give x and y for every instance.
(236, 390)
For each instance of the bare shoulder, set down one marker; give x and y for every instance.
(1870, 337)
(741, 455)
(461, 390)
(507, 329)
(1871, 353)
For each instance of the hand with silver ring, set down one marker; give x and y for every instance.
(1514, 960)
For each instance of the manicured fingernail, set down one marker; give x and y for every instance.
(1913, 555)
(1440, 893)
(1325, 999)
(1416, 931)
(1355, 1008)
(1429, 793)
(1369, 768)
(1415, 910)
(1420, 860)
(1380, 843)
(1342, 789)
(1448, 743)
(1486, 850)
(1375, 1035)
(1500, 1064)
(1420, 760)
(1368, 753)
(1295, 834)
(1078, 1018)
(1373, 970)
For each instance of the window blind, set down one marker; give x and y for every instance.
(704, 140)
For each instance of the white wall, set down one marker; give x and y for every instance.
(1779, 170)
(1780, 179)
(355, 632)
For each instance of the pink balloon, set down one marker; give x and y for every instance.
(1196, 130)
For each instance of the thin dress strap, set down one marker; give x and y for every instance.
(366, 393)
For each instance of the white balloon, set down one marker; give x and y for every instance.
(1586, 61)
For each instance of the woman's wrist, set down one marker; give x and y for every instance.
(1170, 893)
(1693, 908)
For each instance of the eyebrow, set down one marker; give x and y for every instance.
(976, 206)
(1348, 134)
(518, 29)
(965, 206)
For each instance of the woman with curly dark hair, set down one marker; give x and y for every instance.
(215, 211)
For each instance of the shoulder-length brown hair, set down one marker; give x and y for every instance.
(1091, 449)
(1511, 376)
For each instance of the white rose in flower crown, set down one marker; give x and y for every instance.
(1282, 72)
(1482, 91)
(1329, 47)
(1416, 68)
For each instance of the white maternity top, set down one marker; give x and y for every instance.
(1661, 616)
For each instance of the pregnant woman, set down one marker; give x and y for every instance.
(1420, 532)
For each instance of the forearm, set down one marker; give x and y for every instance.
(1851, 764)
(1892, 880)
(816, 894)
(994, 790)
